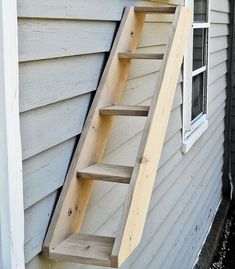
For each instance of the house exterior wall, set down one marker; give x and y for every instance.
(63, 46)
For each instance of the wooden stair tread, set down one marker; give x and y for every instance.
(146, 56)
(87, 249)
(121, 110)
(167, 10)
(107, 172)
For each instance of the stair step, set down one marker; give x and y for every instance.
(125, 110)
(107, 172)
(86, 249)
(146, 56)
(166, 10)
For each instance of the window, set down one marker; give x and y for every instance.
(196, 75)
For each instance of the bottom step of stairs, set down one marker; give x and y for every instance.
(87, 249)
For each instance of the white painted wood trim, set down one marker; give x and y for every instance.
(193, 131)
(198, 25)
(194, 136)
(187, 80)
(199, 71)
(208, 54)
(11, 183)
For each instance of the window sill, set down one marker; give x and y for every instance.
(194, 136)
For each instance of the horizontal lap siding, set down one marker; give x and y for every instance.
(187, 187)
(83, 10)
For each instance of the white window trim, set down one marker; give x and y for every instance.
(191, 131)
(11, 183)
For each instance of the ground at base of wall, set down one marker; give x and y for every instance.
(225, 254)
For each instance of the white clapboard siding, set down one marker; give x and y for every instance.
(217, 56)
(192, 222)
(217, 71)
(218, 43)
(221, 6)
(217, 87)
(219, 17)
(36, 223)
(82, 10)
(43, 39)
(47, 168)
(169, 232)
(201, 223)
(49, 81)
(50, 125)
(219, 30)
(201, 220)
(188, 186)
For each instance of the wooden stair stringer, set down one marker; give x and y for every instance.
(142, 181)
(74, 197)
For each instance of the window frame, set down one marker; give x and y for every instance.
(192, 130)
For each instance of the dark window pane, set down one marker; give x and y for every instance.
(200, 11)
(199, 48)
(198, 95)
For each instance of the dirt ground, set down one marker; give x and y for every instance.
(225, 255)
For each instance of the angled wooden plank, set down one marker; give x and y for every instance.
(144, 173)
(87, 249)
(76, 192)
(144, 56)
(121, 110)
(107, 172)
(166, 10)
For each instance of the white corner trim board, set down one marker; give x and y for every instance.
(11, 185)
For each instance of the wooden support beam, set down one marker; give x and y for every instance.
(117, 110)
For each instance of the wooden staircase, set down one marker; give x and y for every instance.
(63, 240)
